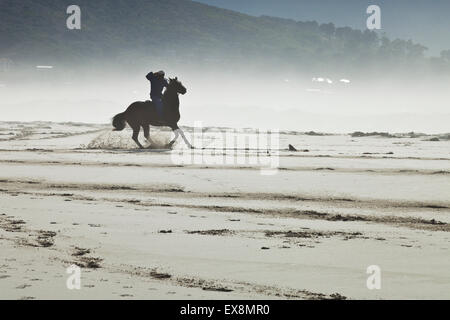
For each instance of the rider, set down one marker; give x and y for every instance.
(157, 84)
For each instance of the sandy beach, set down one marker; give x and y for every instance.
(141, 226)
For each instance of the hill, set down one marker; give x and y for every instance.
(422, 21)
(131, 31)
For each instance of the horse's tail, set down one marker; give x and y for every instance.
(118, 121)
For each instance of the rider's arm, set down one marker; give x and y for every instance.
(150, 76)
(165, 82)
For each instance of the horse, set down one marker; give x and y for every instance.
(143, 114)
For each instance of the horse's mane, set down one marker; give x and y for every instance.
(171, 86)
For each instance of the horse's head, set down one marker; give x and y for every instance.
(177, 85)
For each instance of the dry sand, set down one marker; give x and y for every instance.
(142, 226)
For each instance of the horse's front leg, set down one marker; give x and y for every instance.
(175, 138)
(185, 140)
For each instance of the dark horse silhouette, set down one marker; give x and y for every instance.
(143, 114)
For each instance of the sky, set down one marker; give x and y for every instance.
(423, 21)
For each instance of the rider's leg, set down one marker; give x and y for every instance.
(159, 107)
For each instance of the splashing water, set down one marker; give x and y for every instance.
(122, 140)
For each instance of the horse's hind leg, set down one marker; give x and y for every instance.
(136, 135)
(147, 134)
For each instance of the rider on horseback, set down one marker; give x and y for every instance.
(157, 84)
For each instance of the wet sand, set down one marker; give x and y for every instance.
(142, 226)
